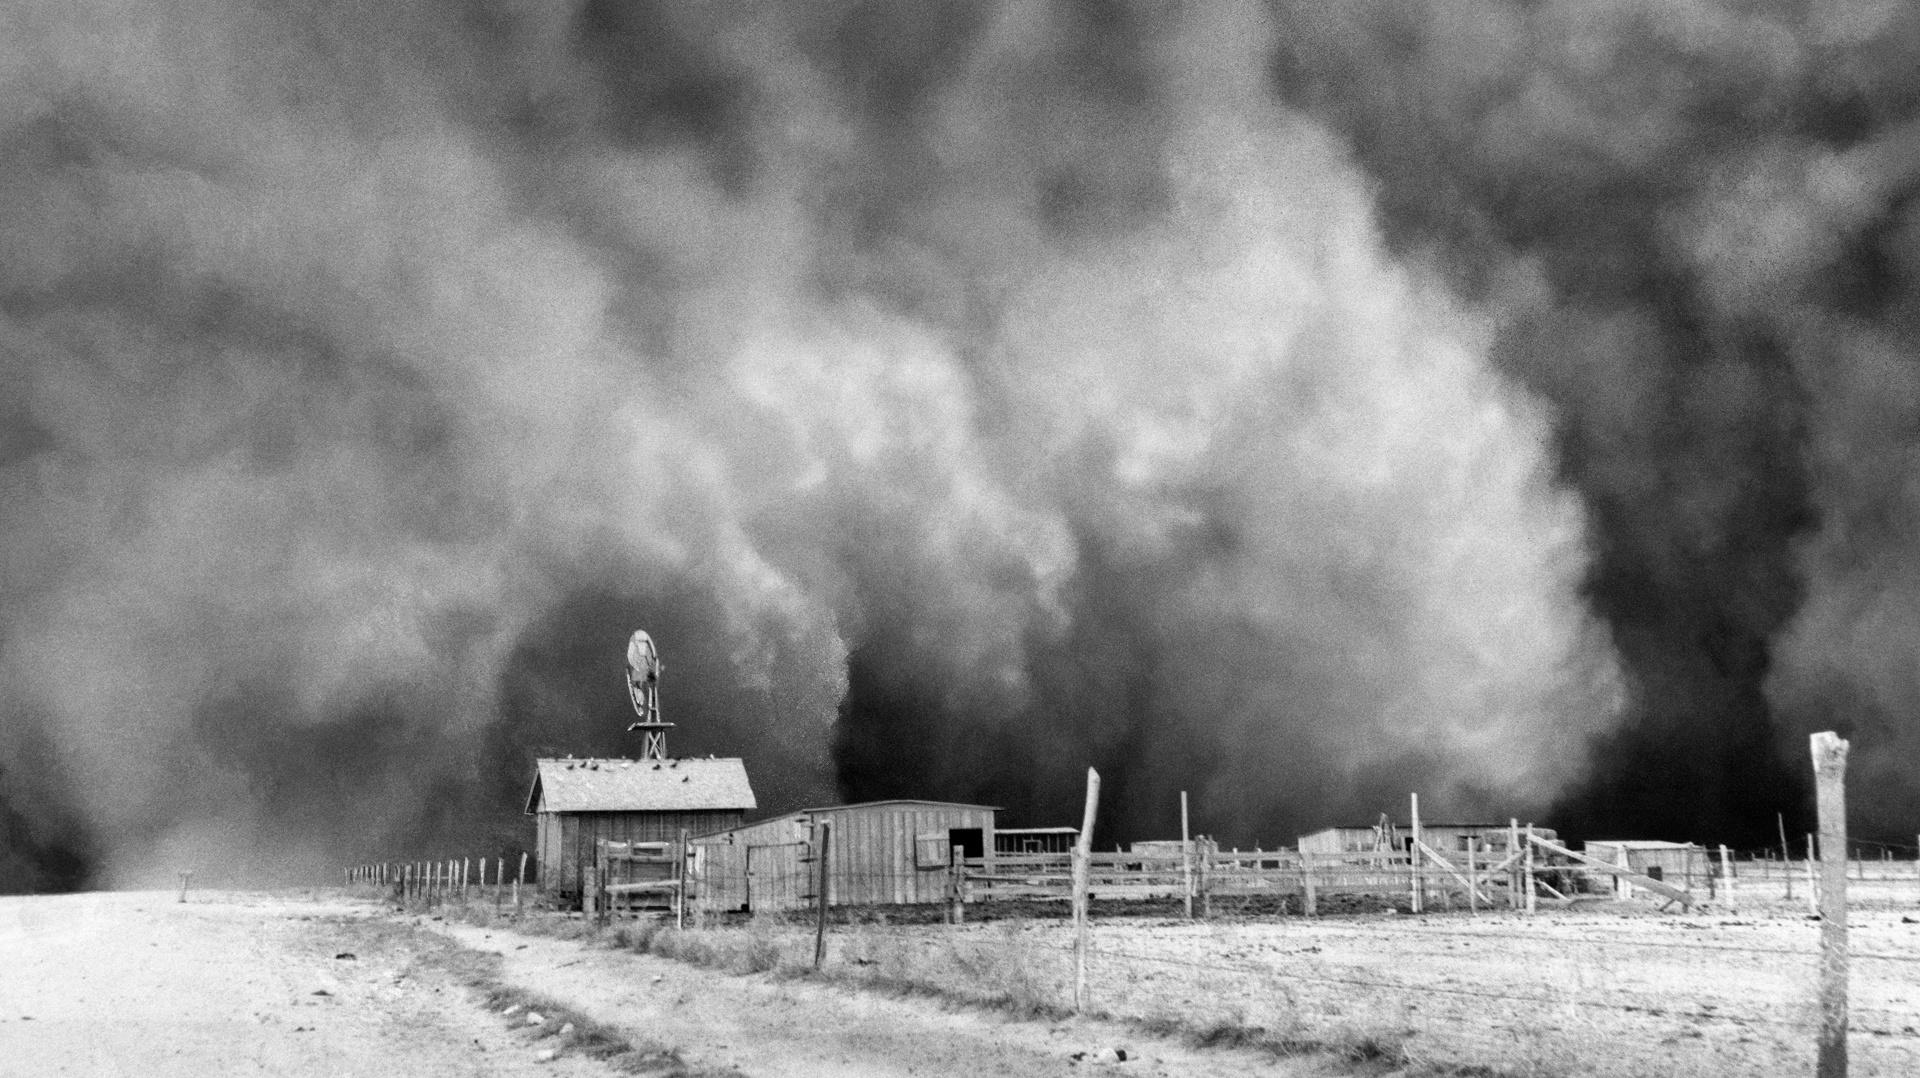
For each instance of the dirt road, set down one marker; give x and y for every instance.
(140, 984)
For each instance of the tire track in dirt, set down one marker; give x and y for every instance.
(140, 984)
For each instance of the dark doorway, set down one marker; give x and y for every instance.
(971, 840)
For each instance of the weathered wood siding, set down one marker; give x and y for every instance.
(566, 840)
(871, 856)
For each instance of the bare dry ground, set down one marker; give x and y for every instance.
(1612, 989)
(262, 984)
(140, 984)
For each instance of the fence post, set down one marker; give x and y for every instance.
(1513, 862)
(1082, 869)
(1533, 898)
(1311, 907)
(1727, 880)
(956, 873)
(1207, 848)
(820, 924)
(1413, 856)
(1473, 880)
(1186, 856)
(1830, 775)
(518, 882)
(680, 873)
(1786, 853)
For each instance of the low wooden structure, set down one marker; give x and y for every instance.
(1446, 838)
(577, 804)
(1019, 841)
(881, 853)
(1679, 863)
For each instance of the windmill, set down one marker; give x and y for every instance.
(643, 685)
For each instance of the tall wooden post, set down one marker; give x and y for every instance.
(1082, 868)
(956, 872)
(1413, 856)
(1727, 881)
(1532, 894)
(686, 888)
(1310, 905)
(1186, 856)
(820, 887)
(1786, 853)
(1830, 785)
(1513, 862)
(1473, 880)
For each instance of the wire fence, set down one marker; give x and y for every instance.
(1610, 993)
(1518, 995)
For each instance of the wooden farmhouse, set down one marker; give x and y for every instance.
(1443, 838)
(878, 852)
(577, 803)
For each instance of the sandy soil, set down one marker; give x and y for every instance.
(764, 1025)
(1612, 990)
(140, 984)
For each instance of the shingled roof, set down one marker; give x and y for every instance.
(603, 785)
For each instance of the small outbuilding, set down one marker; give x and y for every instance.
(578, 803)
(878, 853)
(1442, 838)
(1678, 863)
(1028, 841)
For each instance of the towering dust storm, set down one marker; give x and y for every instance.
(1497, 401)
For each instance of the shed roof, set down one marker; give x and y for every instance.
(901, 801)
(617, 785)
(1037, 831)
(798, 813)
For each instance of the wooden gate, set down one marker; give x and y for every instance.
(778, 878)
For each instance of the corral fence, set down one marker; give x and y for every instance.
(1205, 880)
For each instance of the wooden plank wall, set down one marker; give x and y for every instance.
(871, 858)
(568, 840)
(872, 851)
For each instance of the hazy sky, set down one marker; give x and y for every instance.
(1295, 404)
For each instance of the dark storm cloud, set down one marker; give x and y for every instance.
(1693, 218)
(961, 394)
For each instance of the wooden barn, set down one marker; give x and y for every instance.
(878, 853)
(1678, 863)
(1444, 838)
(577, 803)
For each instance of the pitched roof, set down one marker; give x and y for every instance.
(615, 785)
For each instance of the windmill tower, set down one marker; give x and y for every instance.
(643, 684)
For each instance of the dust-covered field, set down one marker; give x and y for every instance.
(1602, 988)
(345, 985)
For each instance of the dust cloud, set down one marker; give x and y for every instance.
(1503, 401)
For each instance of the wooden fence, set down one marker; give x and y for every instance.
(634, 878)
